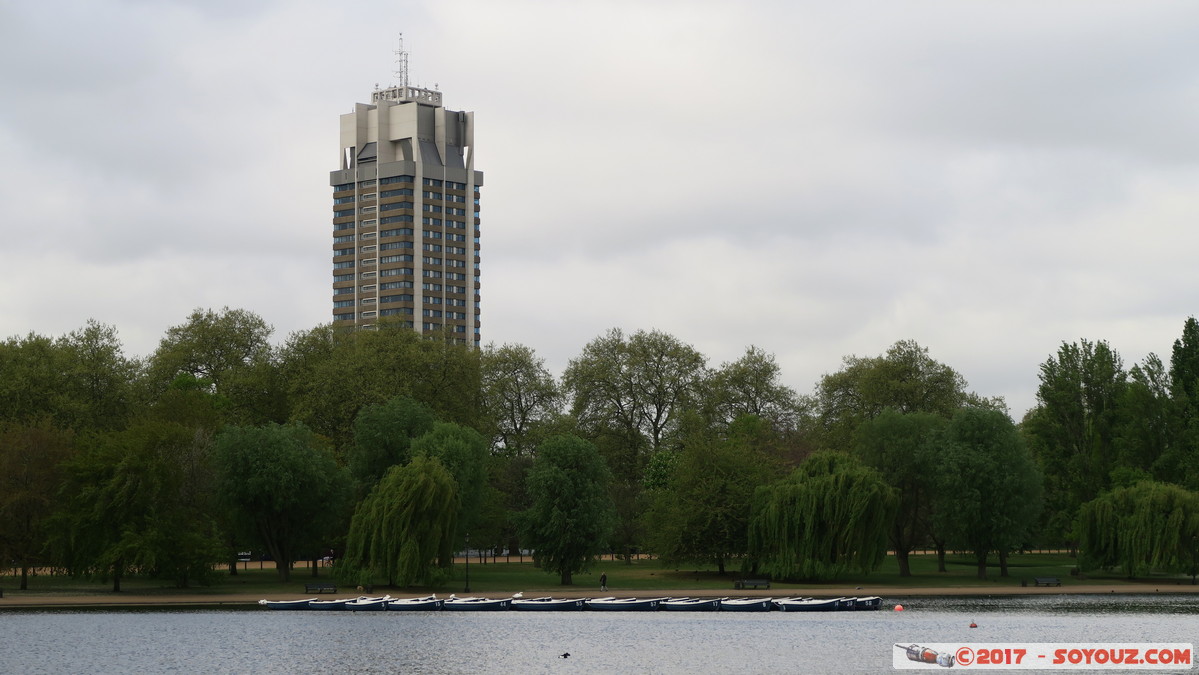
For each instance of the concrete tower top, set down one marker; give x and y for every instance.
(405, 93)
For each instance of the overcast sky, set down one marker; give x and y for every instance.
(988, 178)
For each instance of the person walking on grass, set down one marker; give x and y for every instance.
(604, 581)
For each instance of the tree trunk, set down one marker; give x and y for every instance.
(982, 565)
(314, 568)
(24, 576)
(940, 557)
(1002, 563)
(566, 578)
(281, 553)
(116, 575)
(283, 567)
(901, 557)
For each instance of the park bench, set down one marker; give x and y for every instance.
(748, 583)
(320, 588)
(1047, 581)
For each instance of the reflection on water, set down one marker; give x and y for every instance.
(261, 641)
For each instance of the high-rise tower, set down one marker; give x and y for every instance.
(406, 215)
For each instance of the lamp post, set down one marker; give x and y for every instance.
(467, 589)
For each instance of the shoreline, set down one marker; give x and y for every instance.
(32, 600)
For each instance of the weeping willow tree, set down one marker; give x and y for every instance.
(830, 515)
(403, 526)
(1147, 526)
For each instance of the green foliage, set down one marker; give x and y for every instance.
(1146, 527)
(1073, 430)
(1184, 363)
(99, 376)
(830, 516)
(520, 398)
(140, 499)
(897, 445)
(630, 396)
(508, 496)
(661, 468)
(190, 402)
(702, 512)
(906, 379)
(30, 473)
(330, 382)
(571, 514)
(211, 345)
(32, 385)
(383, 437)
(1145, 432)
(281, 487)
(647, 402)
(1179, 461)
(752, 386)
(463, 452)
(634, 388)
(988, 489)
(403, 527)
(80, 381)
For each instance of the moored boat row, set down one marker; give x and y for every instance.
(520, 603)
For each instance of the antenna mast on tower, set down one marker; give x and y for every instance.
(403, 91)
(402, 63)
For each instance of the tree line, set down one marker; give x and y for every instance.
(391, 451)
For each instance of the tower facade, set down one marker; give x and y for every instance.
(406, 216)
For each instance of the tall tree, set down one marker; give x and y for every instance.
(702, 512)
(988, 492)
(463, 452)
(1184, 363)
(302, 355)
(282, 486)
(211, 346)
(403, 527)
(140, 499)
(1180, 462)
(638, 386)
(30, 473)
(629, 396)
(752, 385)
(829, 516)
(1141, 528)
(35, 382)
(1074, 428)
(507, 496)
(897, 445)
(101, 377)
(520, 398)
(905, 379)
(1145, 432)
(572, 513)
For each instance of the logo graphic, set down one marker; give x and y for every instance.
(925, 655)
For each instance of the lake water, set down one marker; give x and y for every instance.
(264, 641)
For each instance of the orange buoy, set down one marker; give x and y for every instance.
(899, 608)
(973, 625)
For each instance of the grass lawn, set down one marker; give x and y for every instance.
(639, 576)
(645, 575)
